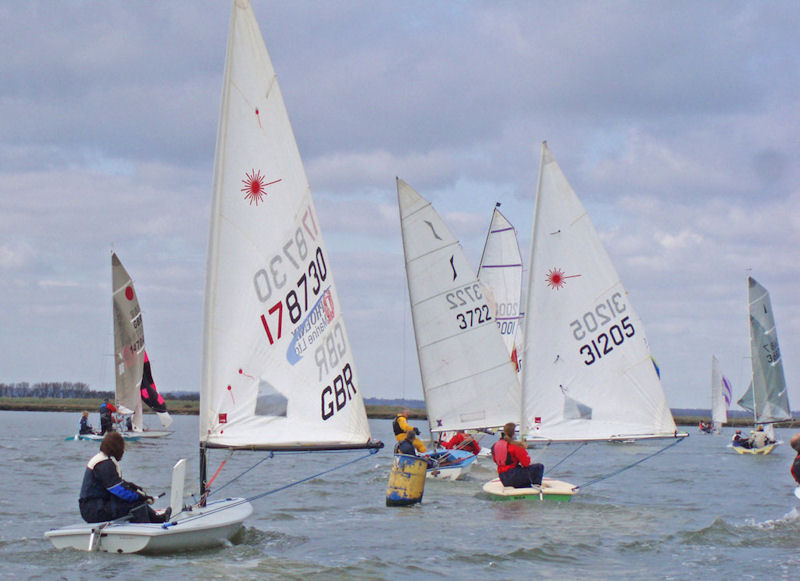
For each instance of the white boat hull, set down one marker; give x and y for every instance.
(549, 490)
(199, 528)
(148, 434)
(460, 465)
(99, 437)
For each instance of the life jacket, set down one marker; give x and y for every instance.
(396, 426)
(500, 454)
(796, 469)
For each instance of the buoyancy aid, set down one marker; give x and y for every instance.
(396, 426)
(500, 454)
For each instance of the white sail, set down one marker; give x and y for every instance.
(767, 395)
(588, 372)
(468, 378)
(128, 342)
(278, 370)
(500, 273)
(720, 395)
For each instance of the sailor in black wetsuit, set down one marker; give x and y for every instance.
(106, 496)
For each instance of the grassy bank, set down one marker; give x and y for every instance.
(184, 407)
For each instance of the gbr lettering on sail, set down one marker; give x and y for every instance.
(298, 302)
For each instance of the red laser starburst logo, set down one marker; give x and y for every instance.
(255, 188)
(556, 279)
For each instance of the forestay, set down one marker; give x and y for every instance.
(128, 342)
(278, 370)
(766, 397)
(588, 373)
(468, 378)
(500, 273)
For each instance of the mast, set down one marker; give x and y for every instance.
(523, 424)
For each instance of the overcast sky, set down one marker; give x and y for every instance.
(677, 123)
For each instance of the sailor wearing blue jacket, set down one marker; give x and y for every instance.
(106, 496)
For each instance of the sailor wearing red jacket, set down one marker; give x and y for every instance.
(795, 444)
(462, 441)
(513, 463)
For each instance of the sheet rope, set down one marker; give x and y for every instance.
(268, 492)
(624, 468)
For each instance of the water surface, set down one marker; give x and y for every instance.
(698, 510)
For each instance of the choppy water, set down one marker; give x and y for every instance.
(696, 511)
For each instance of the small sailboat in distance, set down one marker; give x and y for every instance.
(766, 396)
(132, 371)
(720, 397)
(278, 371)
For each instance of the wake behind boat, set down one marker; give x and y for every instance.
(278, 371)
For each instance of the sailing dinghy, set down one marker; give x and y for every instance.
(278, 372)
(134, 378)
(468, 379)
(721, 395)
(766, 396)
(588, 373)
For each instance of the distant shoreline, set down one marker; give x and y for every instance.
(191, 407)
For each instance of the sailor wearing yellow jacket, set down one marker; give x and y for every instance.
(400, 426)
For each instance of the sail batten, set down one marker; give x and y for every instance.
(584, 342)
(278, 370)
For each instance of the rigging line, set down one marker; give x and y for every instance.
(264, 459)
(582, 444)
(271, 455)
(263, 494)
(623, 469)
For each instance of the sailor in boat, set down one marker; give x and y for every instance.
(462, 441)
(401, 427)
(106, 418)
(408, 447)
(739, 440)
(513, 462)
(759, 438)
(106, 496)
(84, 427)
(795, 444)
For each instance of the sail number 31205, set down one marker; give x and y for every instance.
(604, 343)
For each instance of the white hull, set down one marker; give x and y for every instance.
(201, 528)
(449, 472)
(98, 437)
(553, 489)
(148, 434)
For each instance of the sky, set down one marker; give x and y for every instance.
(677, 124)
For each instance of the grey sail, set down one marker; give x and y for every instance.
(769, 397)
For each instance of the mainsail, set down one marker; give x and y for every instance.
(468, 378)
(588, 372)
(134, 379)
(766, 396)
(278, 371)
(128, 342)
(720, 395)
(500, 273)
